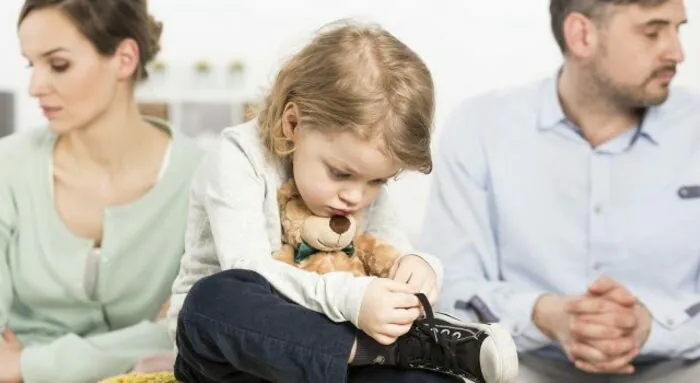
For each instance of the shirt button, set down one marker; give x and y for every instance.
(598, 209)
(670, 322)
(597, 266)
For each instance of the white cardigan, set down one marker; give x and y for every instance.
(234, 223)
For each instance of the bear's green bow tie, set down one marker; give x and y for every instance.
(304, 251)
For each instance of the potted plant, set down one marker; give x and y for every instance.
(235, 74)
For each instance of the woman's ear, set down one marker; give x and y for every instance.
(290, 120)
(127, 59)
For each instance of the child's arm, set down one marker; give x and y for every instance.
(383, 223)
(232, 193)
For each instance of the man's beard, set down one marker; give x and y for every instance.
(627, 96)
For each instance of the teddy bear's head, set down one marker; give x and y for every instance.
(301, 227)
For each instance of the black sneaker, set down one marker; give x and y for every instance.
(482, 353)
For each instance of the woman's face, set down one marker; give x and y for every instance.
(73, 83)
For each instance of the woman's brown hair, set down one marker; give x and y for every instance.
(106, 23)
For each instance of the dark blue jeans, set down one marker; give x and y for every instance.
(234, 327)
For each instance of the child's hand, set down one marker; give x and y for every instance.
(417, 273)
(388, 310)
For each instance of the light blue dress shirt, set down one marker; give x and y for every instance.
(521, 204)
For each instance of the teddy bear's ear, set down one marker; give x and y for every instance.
(286, 192)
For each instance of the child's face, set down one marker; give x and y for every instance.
(340, 173)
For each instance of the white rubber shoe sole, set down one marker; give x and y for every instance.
(499, 356)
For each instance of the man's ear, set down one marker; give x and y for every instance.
(290, 120)
(581, 35)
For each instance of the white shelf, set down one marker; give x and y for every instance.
(194, 96)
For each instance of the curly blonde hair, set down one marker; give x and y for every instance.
(357, 78)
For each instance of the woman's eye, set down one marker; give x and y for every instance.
(59, 67)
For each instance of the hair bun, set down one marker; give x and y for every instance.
(155, 29)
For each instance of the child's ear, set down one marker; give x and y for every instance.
(290, 120)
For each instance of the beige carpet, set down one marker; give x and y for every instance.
(157, 377)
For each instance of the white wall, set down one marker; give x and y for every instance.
(470, 46)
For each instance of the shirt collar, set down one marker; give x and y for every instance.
(551, 113)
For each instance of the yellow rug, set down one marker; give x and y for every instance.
(157, 377)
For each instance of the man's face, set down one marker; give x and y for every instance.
(638, 51)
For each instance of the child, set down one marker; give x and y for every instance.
(344, 116)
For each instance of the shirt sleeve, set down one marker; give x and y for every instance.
(232, 195)
(75, 359)
(459, 229)
(675, 327)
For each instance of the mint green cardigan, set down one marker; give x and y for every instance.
(83, 316)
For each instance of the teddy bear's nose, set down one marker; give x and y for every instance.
(339, 224)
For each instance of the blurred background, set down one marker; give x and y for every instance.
(219, 56)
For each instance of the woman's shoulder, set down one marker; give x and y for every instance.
(19, 149)
(24, 143)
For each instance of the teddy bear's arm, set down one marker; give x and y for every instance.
(377, 256)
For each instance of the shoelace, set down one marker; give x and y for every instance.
(431, 340)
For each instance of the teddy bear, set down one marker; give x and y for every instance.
(325, 244)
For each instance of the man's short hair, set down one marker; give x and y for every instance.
(594, 9)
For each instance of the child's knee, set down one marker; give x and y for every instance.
(234, 287)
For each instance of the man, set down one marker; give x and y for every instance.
(569, 209)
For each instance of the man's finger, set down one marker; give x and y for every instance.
(603, 285)
(582, 351)
(585, 330)
(611, 289)
(590, 305)
(620, 319)
(622, 297)
(619, 365)
(593, 369)
(614, 348)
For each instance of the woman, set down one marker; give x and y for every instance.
(92, 209)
